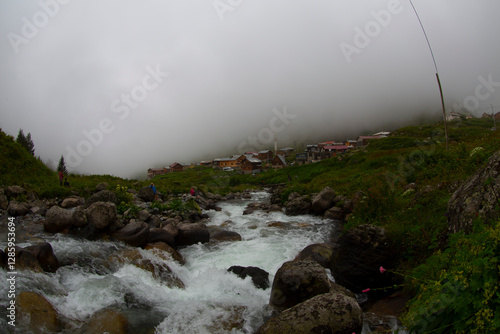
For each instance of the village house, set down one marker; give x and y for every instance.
(334, 150)
(265, 156)
(452, 116)
(251, 166)
(301, 158)
(278, 162)
(152, 172)
(176, 167)
(351, 142)
(232, 162)
(285, 151)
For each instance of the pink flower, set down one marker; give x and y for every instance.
(365, 290)
(382, 269)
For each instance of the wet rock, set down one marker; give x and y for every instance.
(191, 234)
(101, 214)
(16, 208)
(163, 235)
(324, 313)
(45, 256)
(298, 205)
(297, 281)
(334, 213)
(323, 201)
(37, 313)
(72, 202)
(108, 321)
(102, 196)
(78, 217)
(260, 277)
(320, 253)
(172, 229)
(161, 246)
(25, 260)
(476, 197)
(57, 219)
(277, 224)
(221, 235)
(135, 233)
(360, 253)
(146, 194)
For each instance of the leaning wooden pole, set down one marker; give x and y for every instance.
(444, 111)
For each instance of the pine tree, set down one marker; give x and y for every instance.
(21, 138)
(62, 166)
(29, 144)
(26, 141)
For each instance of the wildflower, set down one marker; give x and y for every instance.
(382, 269)
(365, 290)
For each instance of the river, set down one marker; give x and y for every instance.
(213, 300)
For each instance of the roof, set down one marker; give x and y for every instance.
(175, 164)
(264, 151)
(286, 149)
(382, 133)
(282, 158)
(226, 159)
(254, 160)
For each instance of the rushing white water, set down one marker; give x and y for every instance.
(213, 300)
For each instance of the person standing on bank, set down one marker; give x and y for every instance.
(152, 186)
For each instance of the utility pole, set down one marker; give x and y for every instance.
(494, 120)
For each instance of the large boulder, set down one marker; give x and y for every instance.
(101, 214)
(146, 194)
(162, 235)
(37, 313)
(478, 197)
(72, 202)
(334, 213)
(45, 256)
(159, 246)
(220, 235)
(107, 321)
(360, 254)
(25, 260)
(322, 314)
(16, 208)
(297, 281)
(321, 253)
(102, 196)
(57, 219)
(260, 277)
(323, 200)
(298, 205)
(135, 233)
(191, 234)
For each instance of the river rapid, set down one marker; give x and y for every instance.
(213, 299)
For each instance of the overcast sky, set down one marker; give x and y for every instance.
(119, 86)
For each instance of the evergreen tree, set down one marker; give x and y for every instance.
(62, 166)
(29, 144)
(26, 141)
(21, 138)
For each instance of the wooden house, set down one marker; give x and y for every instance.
(232, 162)
(265, 156)
(285, 151)
(152, 172)
(176, 167)
(251, 166)
(278, 162)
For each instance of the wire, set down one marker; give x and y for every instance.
(425, 34)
